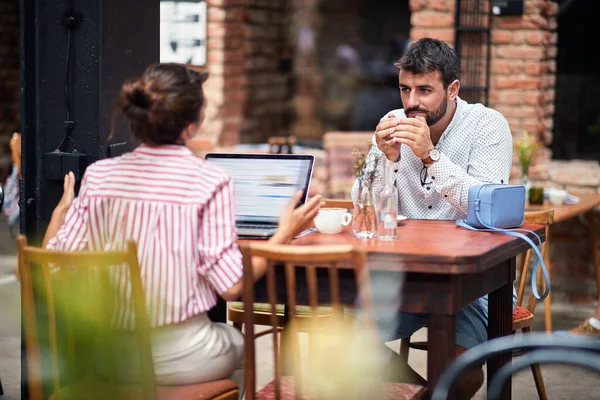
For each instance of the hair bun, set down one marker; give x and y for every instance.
(135, 101)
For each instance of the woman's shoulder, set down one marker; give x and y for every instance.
(214, 172)
(101, 166)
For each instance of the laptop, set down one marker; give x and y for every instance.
(263, 185)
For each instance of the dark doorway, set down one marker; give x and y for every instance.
(577, 116)
(358, 44)
(472, 43)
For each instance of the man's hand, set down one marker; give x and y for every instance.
(414, 133)
(383, 137)
(295, 220)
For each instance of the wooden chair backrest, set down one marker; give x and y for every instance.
(338, 203)
(65, 286)
(546, 218)
(277, 144)
(341, 160)
(295, 258)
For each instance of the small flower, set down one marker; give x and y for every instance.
(526, 146)
(359, 161)
(364, 172)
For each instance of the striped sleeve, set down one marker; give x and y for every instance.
(73, 234)
(219, 255)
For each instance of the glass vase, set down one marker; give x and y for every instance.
(364, 223)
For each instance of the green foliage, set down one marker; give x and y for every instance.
(526, 147)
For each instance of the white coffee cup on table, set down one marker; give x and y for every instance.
(558, 197)
(332, 220)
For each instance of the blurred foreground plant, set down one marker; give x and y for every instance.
(344, 361)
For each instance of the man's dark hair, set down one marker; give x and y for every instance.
(428, 55)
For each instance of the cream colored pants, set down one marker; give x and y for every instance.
(194, 351)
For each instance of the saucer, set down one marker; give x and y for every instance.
(401, 218)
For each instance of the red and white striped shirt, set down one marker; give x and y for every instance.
(179, 211)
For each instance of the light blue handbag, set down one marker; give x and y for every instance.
(498, 208)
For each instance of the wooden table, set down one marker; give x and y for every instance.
(587, 203)
(444, 268)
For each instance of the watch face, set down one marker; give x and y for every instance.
(434, 154)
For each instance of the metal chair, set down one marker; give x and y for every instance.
(1, 204)
(541, 349)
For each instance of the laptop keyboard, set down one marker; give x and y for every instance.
(255, 226)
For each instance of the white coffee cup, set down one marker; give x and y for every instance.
(558, 197)
(332, 220)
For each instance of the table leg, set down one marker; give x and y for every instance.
(500, 324)
(548, 299)
(591, 219)
(441, 338)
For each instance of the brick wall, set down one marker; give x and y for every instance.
(268, 56)
(10, 120)
(433, 18)
(523, 70)
(308, 79)
(247, 91)
(523, 80)
(226, 87)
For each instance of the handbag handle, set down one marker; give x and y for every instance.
(539, 260)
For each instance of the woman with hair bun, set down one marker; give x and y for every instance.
(179, 211)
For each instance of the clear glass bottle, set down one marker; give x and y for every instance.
(387, 205)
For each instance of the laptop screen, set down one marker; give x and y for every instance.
(263, 184)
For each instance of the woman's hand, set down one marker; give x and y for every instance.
(292, 222)
(68, 194)
(15, 150)
(295, 220)
(60, 212)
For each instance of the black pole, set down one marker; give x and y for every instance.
(110, 41)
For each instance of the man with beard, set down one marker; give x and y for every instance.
(440, 146)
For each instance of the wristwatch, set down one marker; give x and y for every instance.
(432, 156)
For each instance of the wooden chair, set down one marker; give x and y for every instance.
(522, 318)
(331, 258)
(69, 301)
(277, 144)
(262, 311)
